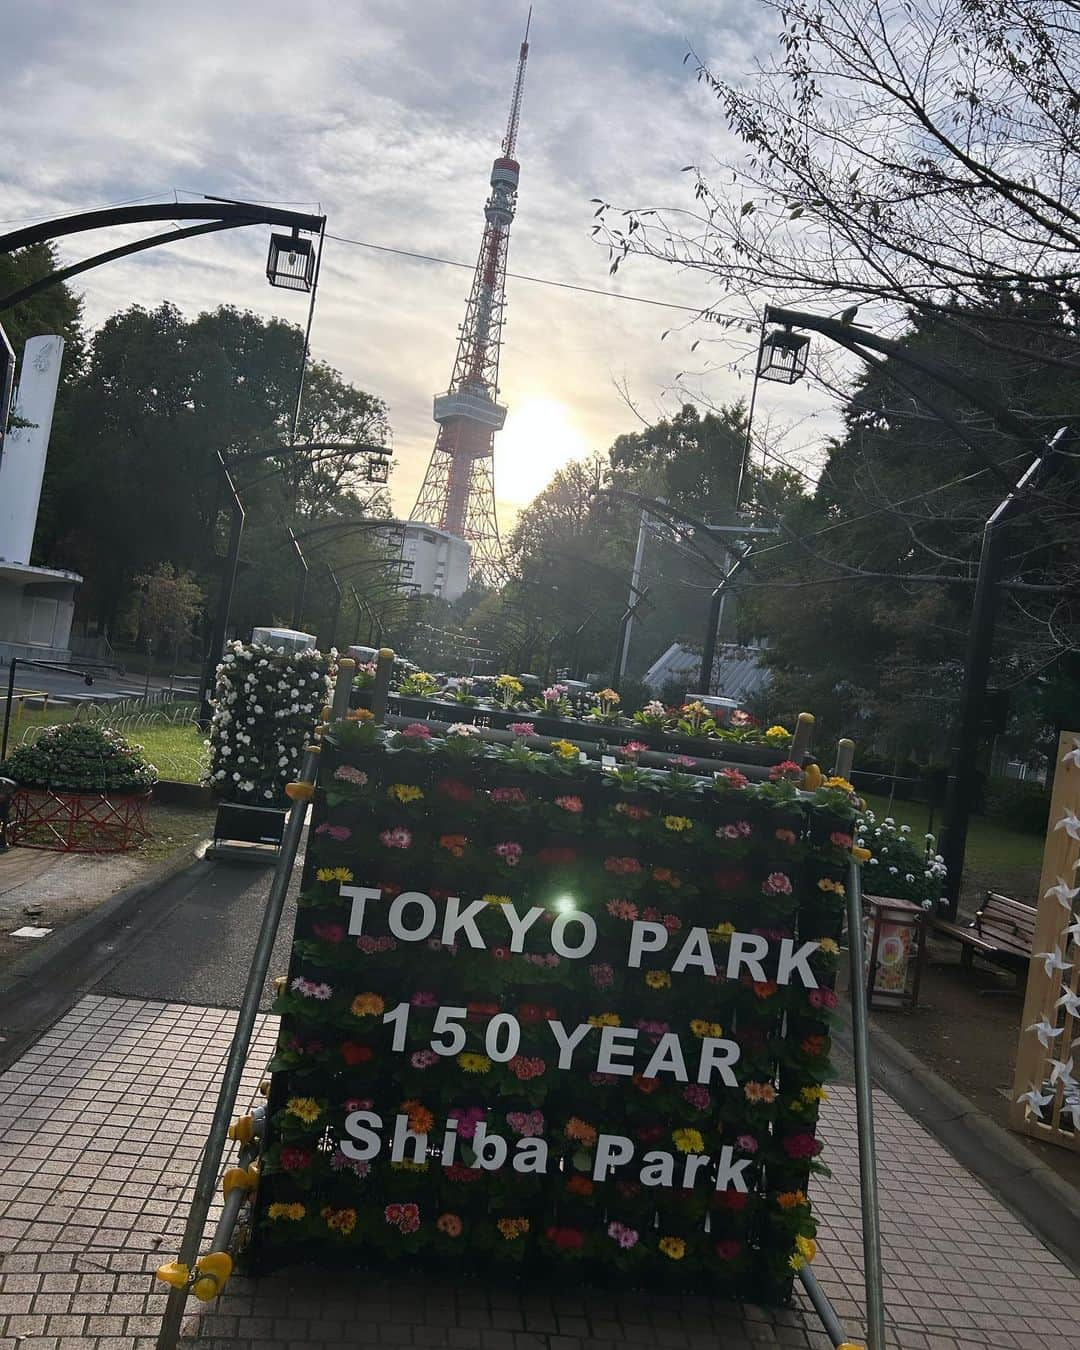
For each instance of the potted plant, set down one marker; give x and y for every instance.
(80, 788)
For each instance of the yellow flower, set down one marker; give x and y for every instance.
(723, 932)
(510, 682)
(839, 784)
(407, 1165)
(658, 979)
(366, 1005)
(307, 1108)
(827, 884)
(678, 823)
(702, 1028)
(474, 1063)
(280, 1211)
(609, 696)
(673, 1247)
(497, 900)
(404, 792)
(605, 1020)
(333, 874)
(828, 946)
(778, 733)
(806, 1247)
(512, 1228)
(564, 749)
(359, 715)
(815, 1093)
(342, 1220)
(688, 1141)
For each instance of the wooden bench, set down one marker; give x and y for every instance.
(1003, 931)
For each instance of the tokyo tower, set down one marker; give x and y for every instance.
(458, 492)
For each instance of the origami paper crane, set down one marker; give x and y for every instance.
(1046, 1032)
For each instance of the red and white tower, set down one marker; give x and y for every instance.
(458, 492)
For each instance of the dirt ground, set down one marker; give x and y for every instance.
(966, 1030)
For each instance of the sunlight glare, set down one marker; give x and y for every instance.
(540, 436)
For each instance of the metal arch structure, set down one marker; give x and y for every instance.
(458, 491)
(215, 216)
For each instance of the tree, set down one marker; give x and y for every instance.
(54, 310)
(133, 483)
(918, 158)
(167, 603)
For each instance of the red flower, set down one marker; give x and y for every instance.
(557, 856)
(293, 1158)
(801, 1146)
(458, 1172)
(729, 879)
(529, 1012)
(352, 1053)
(455, 789)
(482, 1009)
(731, 1199)
(622, 867)
(565, 1239)
(579, 1185)
(728, 1250)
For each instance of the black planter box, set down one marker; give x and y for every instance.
(241, 824)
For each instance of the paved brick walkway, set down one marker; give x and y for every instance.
(100, 1127)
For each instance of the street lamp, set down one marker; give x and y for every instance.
(290, 263)
(782, 356)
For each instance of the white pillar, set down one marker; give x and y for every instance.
(22, 468)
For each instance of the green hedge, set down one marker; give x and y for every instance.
(1018, 804)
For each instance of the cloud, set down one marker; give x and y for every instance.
(388, 117)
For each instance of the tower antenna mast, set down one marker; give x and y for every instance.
(458, 492)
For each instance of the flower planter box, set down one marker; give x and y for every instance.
(77, 822)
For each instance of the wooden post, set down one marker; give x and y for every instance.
(1044, 991)
(383, 670)
(800, 742)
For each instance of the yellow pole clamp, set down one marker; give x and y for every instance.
(211, 1275)
(240, 1178)
(300, 791)
(243, 1130)
(173, 1273)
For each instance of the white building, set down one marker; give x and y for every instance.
(36, 603)
(434, 562)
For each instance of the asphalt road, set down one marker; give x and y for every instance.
(200, 951)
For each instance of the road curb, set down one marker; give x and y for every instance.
(1047, 1205)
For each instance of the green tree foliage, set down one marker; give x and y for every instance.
(54, 310)
(133, 483)
(167, 603)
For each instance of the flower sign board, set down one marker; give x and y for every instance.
(545, 1017)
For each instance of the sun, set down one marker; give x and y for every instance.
(540, 436)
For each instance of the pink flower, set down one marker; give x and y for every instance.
(507, 796)
(746, 1143)
(423, 1059)
(571, 804)
(622, 909)
(776, 883)
(329, 932)
(358, 1104)
(423, 998)
(653, 1030)
(467, 1117)
(294, 1158)
(681, 762)
(633, 748)
(801, 1146)
(822, 998)
(840, 839)
(405, 1218)
(744, 828)
(509, 851)
(622, 867)
(416, 731)
(347, 774)
(733, 778)
(727, 832)
(697, 1096)
(399, 837)
(500, 953)
(624, 1236)
(788, 769)
(339, 833)
(603, 976)
(524, 1068)
(740, 718)
(522, 728)
(526, 1122)
(340, 1163)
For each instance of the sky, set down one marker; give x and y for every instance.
(386, 117)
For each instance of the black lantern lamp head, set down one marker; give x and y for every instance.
(783, 356)
(291, 262)
(378, 470)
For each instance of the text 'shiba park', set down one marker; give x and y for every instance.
(540, 675)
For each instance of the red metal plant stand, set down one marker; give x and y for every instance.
(77, 822)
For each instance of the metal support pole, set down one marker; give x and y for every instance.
(749, 424)
(963, 767)
(301, 586)
(225, 595)
(822, 1306)
(708, 647)
(7, 707)
(337, 606)
(635, 581)
(7, 385)
(873, 1274)
(206, 1181)
(621, 643)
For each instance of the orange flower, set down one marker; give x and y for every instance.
(420, 1118)
(646, 1085)
(765, 988)
(759, 1092)
(791, 1199)
(581, 1130)
(449, 1224)
(579, 1185)
(666, 875)
(454, 844)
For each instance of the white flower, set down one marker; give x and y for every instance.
(893, 871)
(905, 829)
(873, 862)
(909, 878)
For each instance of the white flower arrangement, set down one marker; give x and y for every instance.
(265, 704)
